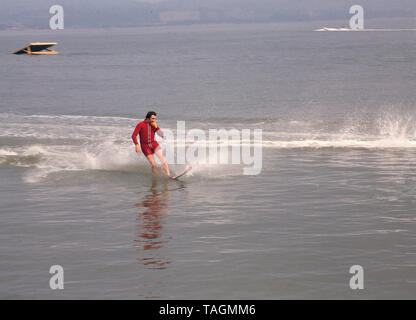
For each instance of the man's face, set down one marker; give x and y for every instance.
(152, 119)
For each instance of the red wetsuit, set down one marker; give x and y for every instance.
(148, 143)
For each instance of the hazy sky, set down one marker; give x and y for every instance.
(123, 13)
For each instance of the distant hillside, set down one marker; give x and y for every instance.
(126, 13)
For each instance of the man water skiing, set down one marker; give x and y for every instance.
(147, 129)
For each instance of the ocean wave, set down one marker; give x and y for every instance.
(104, 143)
(342, 144)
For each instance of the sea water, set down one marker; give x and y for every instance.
(337, 187)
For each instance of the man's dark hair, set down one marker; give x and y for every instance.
(149, 114)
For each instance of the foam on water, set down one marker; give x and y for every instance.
(104, 143)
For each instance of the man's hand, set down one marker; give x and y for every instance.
(137, 148)
(154, 124)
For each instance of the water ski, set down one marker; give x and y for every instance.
(181, 174)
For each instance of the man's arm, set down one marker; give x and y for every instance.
(134, 137)
(160, 133)
(158, 130)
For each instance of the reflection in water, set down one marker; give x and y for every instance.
(152, 212)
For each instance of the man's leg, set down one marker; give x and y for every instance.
(152, 162)
(159, 153)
